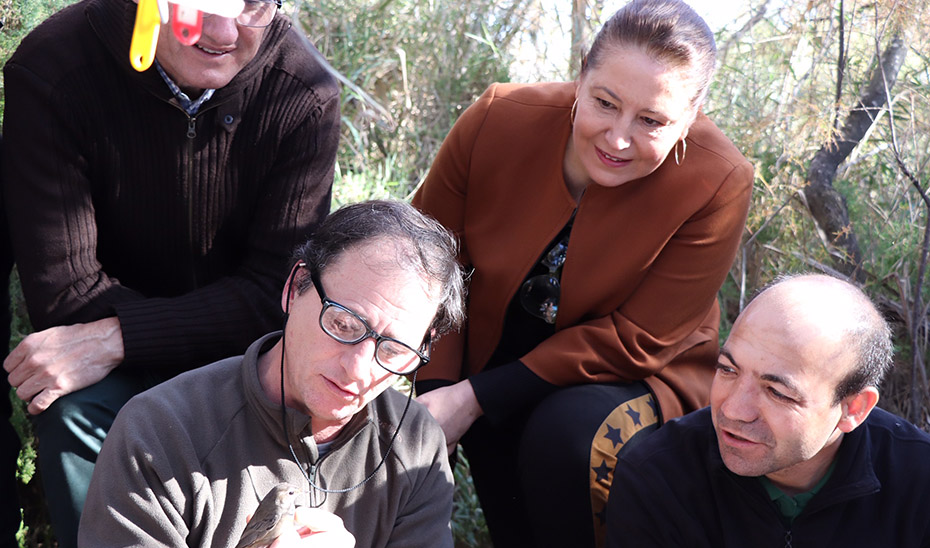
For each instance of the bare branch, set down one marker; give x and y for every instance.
(840, 66)
(917, 319)
(827, 206)
(757, 17)
(579, 38)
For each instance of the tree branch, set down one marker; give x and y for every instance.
(757, 17)
(917, 319)
(826, 204)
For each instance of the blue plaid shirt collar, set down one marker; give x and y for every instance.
(190, 107)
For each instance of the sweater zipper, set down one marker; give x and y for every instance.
(191, 134)
(191, 127)
(311, 471)
(788, 539)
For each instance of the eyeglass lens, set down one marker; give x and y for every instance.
(346, 327)
(256, 13)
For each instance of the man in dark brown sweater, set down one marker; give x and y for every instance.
(152, 213)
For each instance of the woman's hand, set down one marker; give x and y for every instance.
(315, 528)
(455, 408)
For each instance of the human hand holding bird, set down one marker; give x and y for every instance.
(279, 523)
(275, 512)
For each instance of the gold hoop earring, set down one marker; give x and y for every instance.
(574, 108)
(684, 151)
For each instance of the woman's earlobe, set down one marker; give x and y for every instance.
(684, 133)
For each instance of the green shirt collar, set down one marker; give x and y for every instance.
(791, 507)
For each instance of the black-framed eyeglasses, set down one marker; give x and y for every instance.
(347, 327)
(256, 13)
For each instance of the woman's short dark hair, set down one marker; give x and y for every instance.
(420, 243)
(669, 31)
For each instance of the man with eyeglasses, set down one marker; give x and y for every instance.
(152, 213)
(186, 462)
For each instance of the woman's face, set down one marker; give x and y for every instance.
(631, 111)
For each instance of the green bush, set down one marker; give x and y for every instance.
(415, 65)
(422, 62)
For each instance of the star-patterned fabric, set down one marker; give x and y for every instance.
(632, 417)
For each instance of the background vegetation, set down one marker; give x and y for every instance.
(796, 79)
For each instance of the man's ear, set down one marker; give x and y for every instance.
(290, 286)
(856, 408)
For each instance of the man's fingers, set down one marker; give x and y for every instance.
(17, 377)
(317, 528)
(317, 519)
(21, 362)
(14, 360)
(18, 354)
(38, 391)
(42, 401)
(27, 390)
(11, 362)
(287, 538)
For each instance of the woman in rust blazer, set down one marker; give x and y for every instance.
(600, 218)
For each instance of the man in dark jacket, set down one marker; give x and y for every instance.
(792, 451)
(151, 213)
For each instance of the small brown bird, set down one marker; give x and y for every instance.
(274, 512)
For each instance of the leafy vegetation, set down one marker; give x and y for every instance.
(423, 62)
(791, 74)
(786, 86)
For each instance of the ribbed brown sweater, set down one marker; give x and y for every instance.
(121, 204)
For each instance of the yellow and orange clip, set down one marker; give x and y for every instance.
(145, 33)
(186, 23)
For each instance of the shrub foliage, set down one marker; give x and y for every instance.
(790, 75)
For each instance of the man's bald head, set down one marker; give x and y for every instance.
(822, 310)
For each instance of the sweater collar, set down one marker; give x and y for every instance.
(299, 429)
(853, 474)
